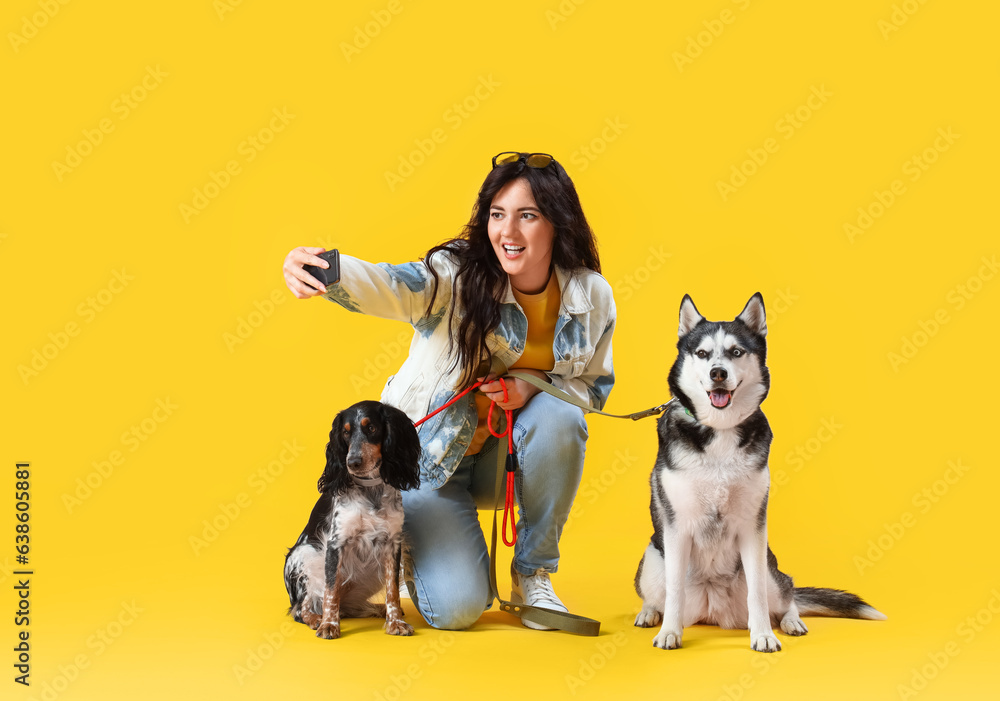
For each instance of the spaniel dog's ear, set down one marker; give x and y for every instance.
(400, 450)
(335, 478)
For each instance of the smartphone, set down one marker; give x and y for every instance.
(327, 276)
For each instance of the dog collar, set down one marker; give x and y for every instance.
(367, 481)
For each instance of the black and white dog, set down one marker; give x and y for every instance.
(350, 549)
(708, 560)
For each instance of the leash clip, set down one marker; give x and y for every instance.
(655, 411)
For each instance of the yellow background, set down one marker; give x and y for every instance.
(181, 621)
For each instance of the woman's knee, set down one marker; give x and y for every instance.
(454, 609)
(457, 619)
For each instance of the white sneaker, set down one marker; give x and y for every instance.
(534, 590)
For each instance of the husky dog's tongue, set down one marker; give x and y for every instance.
(720, 398)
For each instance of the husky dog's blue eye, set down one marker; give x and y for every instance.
(736, 352)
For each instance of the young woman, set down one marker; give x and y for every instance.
(519, 289)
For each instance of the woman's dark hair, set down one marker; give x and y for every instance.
(480, 281)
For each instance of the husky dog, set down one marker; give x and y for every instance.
(708, 560)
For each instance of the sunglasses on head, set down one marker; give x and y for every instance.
(532, 160)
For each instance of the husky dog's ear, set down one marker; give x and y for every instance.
(689, 316)
(753, 315)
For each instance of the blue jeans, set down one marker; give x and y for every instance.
(450, 557)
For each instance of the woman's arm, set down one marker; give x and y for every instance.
(594, 384)
(400, 292)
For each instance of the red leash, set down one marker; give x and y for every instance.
(511, 456)
(508, 506)
(450, 402)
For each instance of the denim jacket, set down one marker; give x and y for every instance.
(581, 346)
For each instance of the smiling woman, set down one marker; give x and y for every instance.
(521, 237)
(519, 288)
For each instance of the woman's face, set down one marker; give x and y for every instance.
(521, 237)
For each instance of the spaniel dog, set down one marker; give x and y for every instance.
(350, 549)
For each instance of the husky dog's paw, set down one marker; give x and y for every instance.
(398, 627)
(328, 631)
(765, 642)
(648, 617)
(793, 625)
(667, 640)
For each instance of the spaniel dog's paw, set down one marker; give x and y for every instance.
(311, 619)
(667, 640)
(765, 642)
(647, 618)
(328, 631)
(398, 627)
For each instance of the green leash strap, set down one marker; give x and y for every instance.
(560, 620)
(560, 394)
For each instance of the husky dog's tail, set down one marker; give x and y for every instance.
(814, 601)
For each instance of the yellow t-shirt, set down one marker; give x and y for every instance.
(542, 311)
